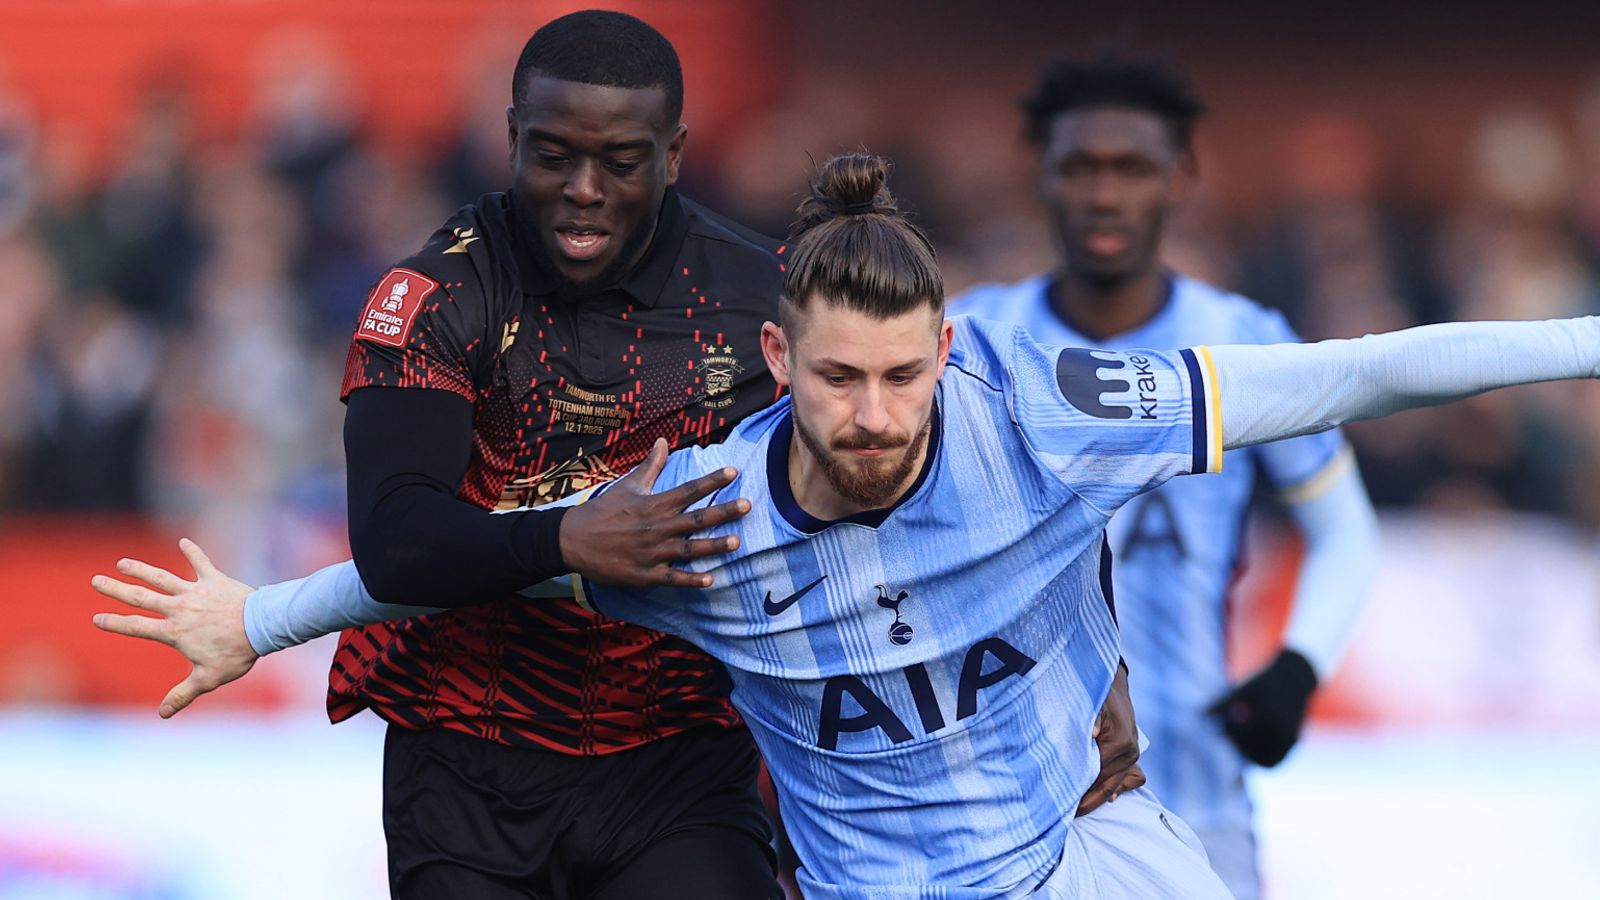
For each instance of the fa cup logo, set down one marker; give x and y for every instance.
(397, 296)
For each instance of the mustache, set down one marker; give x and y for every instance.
(868, 440)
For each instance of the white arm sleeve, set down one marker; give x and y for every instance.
(1275, 391)
(1341, 558)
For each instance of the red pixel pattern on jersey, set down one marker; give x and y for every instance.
(550, 675)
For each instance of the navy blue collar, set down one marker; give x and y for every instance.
(806, 523)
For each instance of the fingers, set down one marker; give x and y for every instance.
(709, 517)
(184, 693)
(1119, 756)
(197, 558)
(156, 577)
(702, 547)
(134, 626)
(131, 594)
(1112, 783)
(685, 495)
(1131, 781)
(721, 514)
(642, 480)
(1093, 799)
(667, 576)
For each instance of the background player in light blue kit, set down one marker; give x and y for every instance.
(1115, 156)
(916, 617)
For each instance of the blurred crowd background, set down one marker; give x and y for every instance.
(180, 277)
(196, 198)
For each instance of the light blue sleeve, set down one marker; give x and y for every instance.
(1336, 573)
(1301, 468)
(1109, 424)
(289, 613)
(1275, 391)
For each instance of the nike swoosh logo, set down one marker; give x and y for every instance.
(774, 609)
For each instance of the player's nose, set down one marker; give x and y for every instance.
(872, 415)
(1103, 191)
(582, 187)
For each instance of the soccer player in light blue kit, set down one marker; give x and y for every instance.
(916, 615)
(1115, 156)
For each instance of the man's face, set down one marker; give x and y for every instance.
(1108, 177)
(862, 392)
(589, 165)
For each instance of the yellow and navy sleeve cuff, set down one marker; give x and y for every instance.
(1206, 415)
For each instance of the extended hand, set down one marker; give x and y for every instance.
(202, 619)
(1117, 737)
(1262, 716)
(629, 537)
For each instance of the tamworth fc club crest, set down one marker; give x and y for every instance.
(718, 371)
(576, 474)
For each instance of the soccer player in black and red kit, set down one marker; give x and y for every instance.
(540, 342)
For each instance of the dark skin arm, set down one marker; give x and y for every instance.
(415, 543)
(1117, 738)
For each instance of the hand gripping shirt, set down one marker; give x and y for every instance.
(565, 394)
(922, 681)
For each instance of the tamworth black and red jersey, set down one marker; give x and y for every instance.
(566, 393)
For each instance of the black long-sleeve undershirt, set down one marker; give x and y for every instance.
(414, 543)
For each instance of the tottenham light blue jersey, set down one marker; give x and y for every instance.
(923, 681)
(1177, 549)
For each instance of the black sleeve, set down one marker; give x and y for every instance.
(413, 542)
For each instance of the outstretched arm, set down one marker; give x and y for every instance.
(1274, 391)
(222, 625)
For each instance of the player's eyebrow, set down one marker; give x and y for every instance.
(837, 366)
(611, 147)
(1114, 156)
(834, 365)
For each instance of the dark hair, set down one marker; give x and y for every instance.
(606, 48)
(853, 246)
(1147, 84)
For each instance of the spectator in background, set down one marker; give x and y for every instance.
(157, 246)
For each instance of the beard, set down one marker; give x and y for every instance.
(867, 482)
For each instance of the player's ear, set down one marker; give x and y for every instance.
(675, 152)
(511, 134)
(946, 335)
(775, 348)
